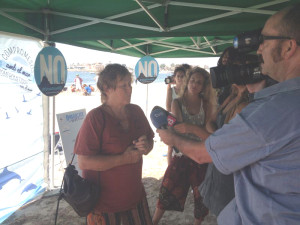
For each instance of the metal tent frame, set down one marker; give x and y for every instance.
(163, 40)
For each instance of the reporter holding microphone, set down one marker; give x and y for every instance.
(193, 110)
(260, 146)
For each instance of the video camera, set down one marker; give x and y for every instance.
(247, 41)
(169, 79)
(222, 76)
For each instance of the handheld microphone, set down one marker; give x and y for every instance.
(161, 118)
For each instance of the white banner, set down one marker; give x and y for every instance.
(69, 124)
(21, 124)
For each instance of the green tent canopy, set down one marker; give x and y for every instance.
(159, 28)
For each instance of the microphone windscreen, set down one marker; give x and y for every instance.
(158, 117)
(161, 118)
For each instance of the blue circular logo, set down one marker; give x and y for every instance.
(50, 71)
(146, 70)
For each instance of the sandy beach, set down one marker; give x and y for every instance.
(41, 211)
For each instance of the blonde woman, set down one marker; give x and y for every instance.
(193, 110)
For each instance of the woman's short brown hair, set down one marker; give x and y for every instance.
(108, 78)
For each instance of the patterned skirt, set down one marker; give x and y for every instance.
(139, 215)
(181, 174)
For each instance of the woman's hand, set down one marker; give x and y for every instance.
(132, 155)
(169, 86)
(241, 89)
(182, 128)
(142, 144)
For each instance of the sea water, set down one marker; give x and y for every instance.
(87, 77)
(91, 78)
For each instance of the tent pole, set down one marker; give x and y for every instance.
(147, 102)
(46, 44)
(53, 142)
(46, 135)
(147, 53)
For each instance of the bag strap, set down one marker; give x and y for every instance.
(60, 190)
(72, 159)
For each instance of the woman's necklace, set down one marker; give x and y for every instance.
(121, 120)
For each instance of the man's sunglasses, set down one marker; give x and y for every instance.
(263, 38)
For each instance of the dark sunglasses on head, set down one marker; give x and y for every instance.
(263, 38)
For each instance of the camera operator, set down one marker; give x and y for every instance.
(260, 146)
(178, 80)
(217, 189)
(229, 56)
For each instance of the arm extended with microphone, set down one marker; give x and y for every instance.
(161, 119)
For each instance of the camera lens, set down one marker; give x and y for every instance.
(168, 80)
(218, 78)
(222, 76)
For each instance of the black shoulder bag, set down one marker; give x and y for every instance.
(80, 193)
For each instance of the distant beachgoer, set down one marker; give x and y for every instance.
(73, 88)
(78, 82)
(91, 87)
(86, 90)
(96, 78)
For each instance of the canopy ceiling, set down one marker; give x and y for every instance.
(160, 28)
